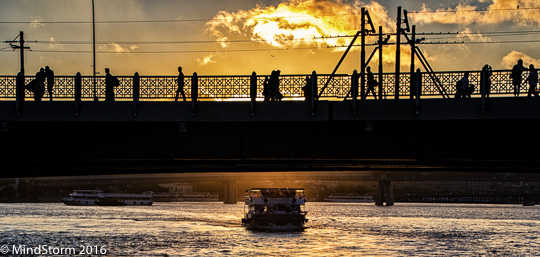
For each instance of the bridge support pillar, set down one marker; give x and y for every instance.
(385, 193)
(253, 92)
(314, 93)
(78, 91)
(230, 193)
(194, 93)
(19, 93)
(136, 93)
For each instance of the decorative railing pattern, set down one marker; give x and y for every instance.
(238, 87)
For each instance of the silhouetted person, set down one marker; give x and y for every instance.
(180, 81)
(462, 86)
(418, 79)
(371, 82)
(485, 80)
(533, 81)
(279, 96)
(307, 88)
(40, 85)
(266, 89)
(275, 95)
(516, 76)
(110, 83)
(49, 74)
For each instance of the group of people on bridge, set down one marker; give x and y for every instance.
(37, 86)
(271, 84)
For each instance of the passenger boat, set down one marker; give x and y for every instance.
(349, 198)
(198, 197)
(275, 209)
(98, 197)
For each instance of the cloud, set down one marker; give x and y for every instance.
(35, 23)
(474, 37)
(297, 23)
(520, 12)
(510, 59)
(207, 59)
(117, 48)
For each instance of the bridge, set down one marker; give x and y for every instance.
(227, 126)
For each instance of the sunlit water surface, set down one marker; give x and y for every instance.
(334, 229)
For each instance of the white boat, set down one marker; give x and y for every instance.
(198, 197)
(349, 198)
(275, 209)
(98, 197)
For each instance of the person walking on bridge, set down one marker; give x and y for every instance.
(49, 74)
(180, 82)
(110, 83)
(485, 80)
(516, 76)
(533, 81)
(371, 83)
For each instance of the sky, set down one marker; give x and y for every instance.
(237, 37)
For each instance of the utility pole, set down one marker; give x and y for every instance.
(21, 42)
(398, 53)
(21, 47)
(363, 55)
(413, 49)
(381, 44)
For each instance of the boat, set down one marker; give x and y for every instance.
(530, 203)
(275, 209)
(186, 197)
(198, 197)
(349, 198)
(100, 198)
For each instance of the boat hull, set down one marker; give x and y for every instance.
(276, 222)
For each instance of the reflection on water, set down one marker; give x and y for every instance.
(334, 229)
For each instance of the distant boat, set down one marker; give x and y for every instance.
(186, 197)
(349, 198)
(99, 198)
(198, 197)
(275, 209)
(528, 203)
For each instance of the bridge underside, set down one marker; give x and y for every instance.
(378, 140)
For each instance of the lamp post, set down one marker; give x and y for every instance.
(94, 50)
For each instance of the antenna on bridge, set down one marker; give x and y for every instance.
(362, 33)
(20, 47)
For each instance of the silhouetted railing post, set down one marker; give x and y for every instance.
(418, 85)
(253, 91)
(314, 93)
(483, 90)
(194, 93)
(78, 87)
(136, 93)
(354, 90)
(19, 93)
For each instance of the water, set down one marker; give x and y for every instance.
(335, 229)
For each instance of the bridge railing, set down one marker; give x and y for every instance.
(238, 87)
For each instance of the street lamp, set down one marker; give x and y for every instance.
(94, 49)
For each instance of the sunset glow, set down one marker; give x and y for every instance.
(295, 36)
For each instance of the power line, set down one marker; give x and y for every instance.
(173, 21)
(268, 49)
(472, 34)
(176, 52)
(476, 10)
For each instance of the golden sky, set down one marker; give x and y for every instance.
(154, 37)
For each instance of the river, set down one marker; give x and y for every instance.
(213, 229)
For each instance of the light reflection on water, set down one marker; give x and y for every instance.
(202, 229)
